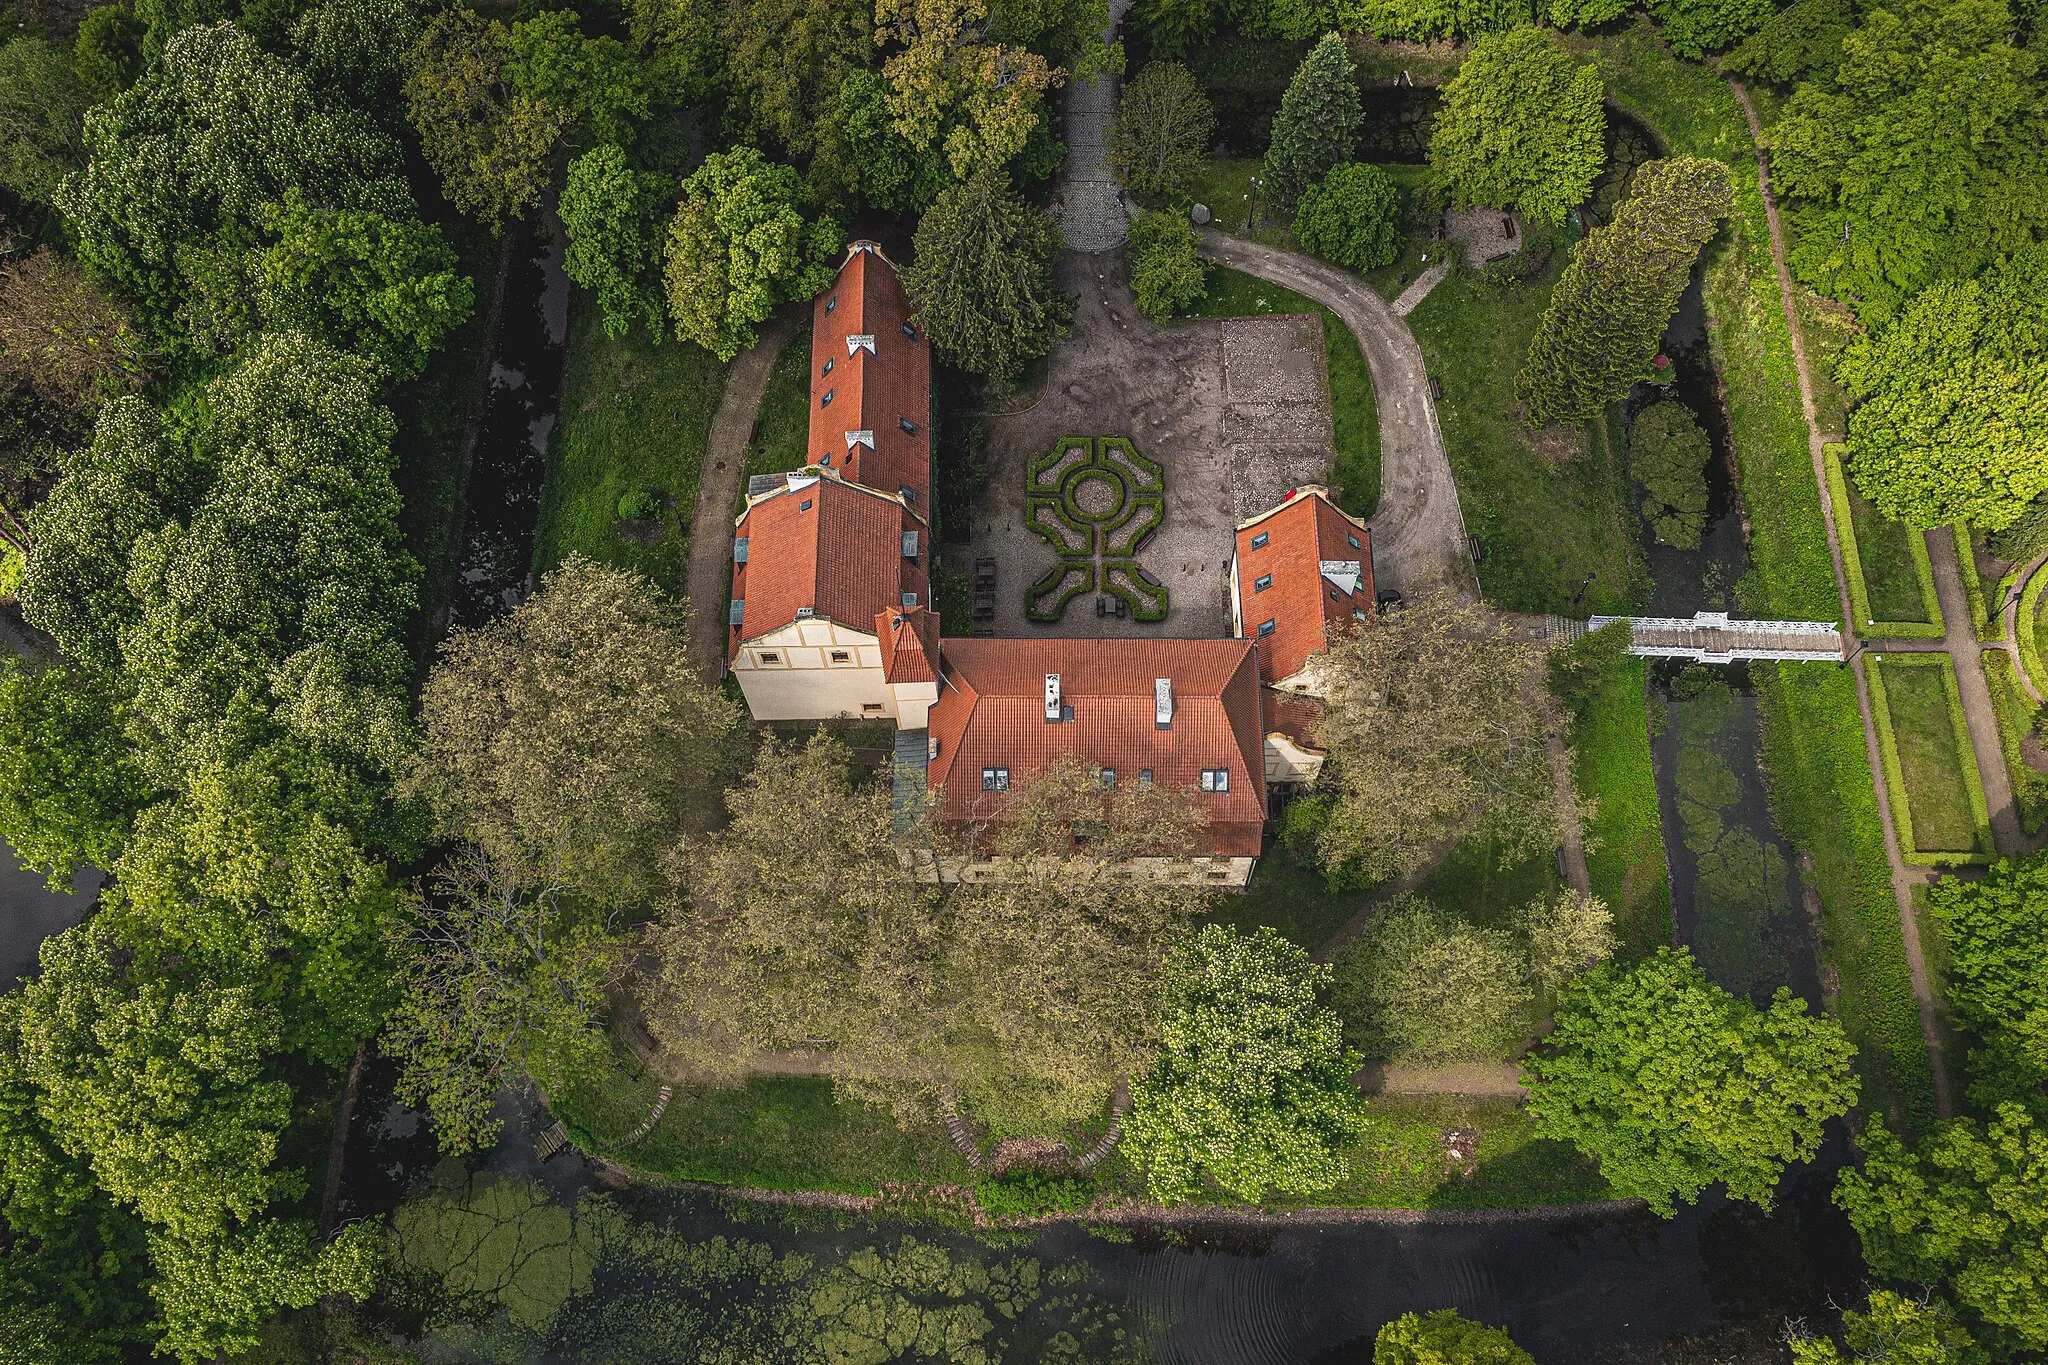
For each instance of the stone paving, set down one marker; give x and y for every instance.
(1090, 210)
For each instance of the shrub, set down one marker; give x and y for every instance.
(1033, 1194)
(1423, 986)
(1166, 275)
(639, 504)
(1351, 216)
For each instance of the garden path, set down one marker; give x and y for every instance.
(1091, 210)
(1903, 880)
(1975, 689)
(1418, 534)
(718, 488)
(2009, 619)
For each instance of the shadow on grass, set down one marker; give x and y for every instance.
(1539, 1171)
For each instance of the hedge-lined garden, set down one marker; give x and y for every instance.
(1936, 792)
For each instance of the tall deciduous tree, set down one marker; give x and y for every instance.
(1894, 1328)
(1923, 160)
(42, 117)
(1796, 44)
(1253, 1085)
(1672, 1084)
(1162, 130)
(789, 59)
(1434, 722)
(1317, 125)
(1445, 1337)
(358, 49)
(861, 153)
(108, 53)
(69, 784)
(981, 278)
(489, 144)
(1953, 422)
(612, 215)
(1421, 986)
(1600, 333)
(738, 246)
(1351, 216)
(953, 80)
(595, 81)
(1996, 931)
(1696, 27)
(63, 338)
(1520, 128)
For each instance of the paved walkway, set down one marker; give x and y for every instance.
(1418, 534)
(1090, 214)
(1965, 649)
(1903, 879)
(718, 488)
(1412, 297)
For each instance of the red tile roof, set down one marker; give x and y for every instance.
(1296, 716)
(1302, 534)
(826, 545)
(879, 378)
(910, 645)
(991, 714)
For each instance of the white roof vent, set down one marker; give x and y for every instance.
(860, 438)
(1052, 696)
(855, 344)
(1344, 573)
(1162, 703)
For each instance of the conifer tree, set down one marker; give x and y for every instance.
(981, 278)
(1621, 287)
(1317, 125)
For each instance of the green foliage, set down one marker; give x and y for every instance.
(788, 58)
(1351, 216)
(1668, 454)
(1563, 934)
(1174, 26)
(1921, 161)
(108, 53)
(1421, 986)
(1162, 131)
(1894, 1330)
(1967, 1212)
(1672, 1084)
(1422, 20)
(1317, 125)
(1166, 275)
(69, 785)
(738, 247)
(1796, 44)
(2026, 537)
(385, 289)
(1620, 288)
(1696, 27)
(1520, 128)
(1253, 1084)
(1445, 1337)
(611, 215)
(981, 278)
(216, 1292)
(1996, 932)
(183, 163)
(1953, 422)
(593, 80)
(1032, 1194)
(862, 154)
(42, 118)
(359, 48)
(490, 146)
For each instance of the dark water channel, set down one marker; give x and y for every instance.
(494, 567)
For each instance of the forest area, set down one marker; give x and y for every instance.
(252, 257)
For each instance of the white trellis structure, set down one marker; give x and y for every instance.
(1713, 637)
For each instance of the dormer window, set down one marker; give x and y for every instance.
(1259, 540)
(908, 426)
(829, 363)
(826, 401)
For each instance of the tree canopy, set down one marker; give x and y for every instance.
(1162, 130)
(1521, 128)
(1351, 216)
(738, 246)
(1672, 1084)
(981, 278)
(1996, 931)
(1445, 1337)
(490, 144)
(1668, 454)
(1422, 987)
(1317, 126)
(1166, 274)
(612, 216)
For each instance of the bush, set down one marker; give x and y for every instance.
(1166, 275)
(1667, 455)
(1162, 130)
(2025, 538)
(1351, 216)
(1033, 1194)
(1423, 986)
(639, 505)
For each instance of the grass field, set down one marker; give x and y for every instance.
(782, 430)
(1473, 884)
(1353, 413)
(1290, 897)
(2016, 711)
(1897, 585)
(635, 417)
(1610, 741)
(1935, 765)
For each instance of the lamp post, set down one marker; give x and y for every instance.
(1582, 589)
(1252, 202)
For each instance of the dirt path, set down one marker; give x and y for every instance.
(1418, 534)
(1903, 879)
(718, 488)
(1975, 689)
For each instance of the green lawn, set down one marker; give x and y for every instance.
(635, 417)
(1892, 578)
(1610, 742)
(782, 430)
(1546, 518)
(1932, 756)
(1472, 884)
(2016, 712)
(1291, 898)
(1354, 414)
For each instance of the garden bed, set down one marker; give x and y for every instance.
(1095, 501)
(1891, 580)
(1936, 793)
(2016, 712)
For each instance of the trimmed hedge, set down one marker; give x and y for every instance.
(1146, 599)
(1989, 632)
(2028, 630)
(1852, 563)
(2016, 711)
(1894, 772)
(1034, 598)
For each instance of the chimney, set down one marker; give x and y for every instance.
(1162, 703)
(1052, 698)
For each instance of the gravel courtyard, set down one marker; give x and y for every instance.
(1236, 409)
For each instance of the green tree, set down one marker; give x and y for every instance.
(1620, 288)
(216, 1292)
(955, 79)
(1668, 454)
(1434, 724)
(1253, 1084)
(1796, 44)
(359, 49)
(1351, 216)
(42, 118)
(595, 81)
(790, 58)
(1422, 986)
(1174, 26)
(1422, 20)
(612, 216)
(1166, 274)
(183, 163)
(1317, 125)
(1696, 27)
(1565, 933)
(1162, 131)
(1894, 1330)
(860, 153)
(489, 144)
(1953, 419)
(1996, 931)
(63, 338)
(108, 53)
(1672, 1084)
(1445, 1338)
(981, 278)
(2025, 538)
(1521, 128)
(69, 784)
(1967, 1212)
(572, 740)
(386, 289)
(738, 246)
(1921, 161)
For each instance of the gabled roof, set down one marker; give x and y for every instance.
(910, 645)
(1319, 561)
(879, 377)
(991, 714)
(820, 546)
